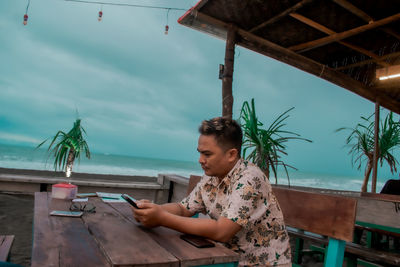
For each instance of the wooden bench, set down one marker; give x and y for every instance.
(375, 213)
(353, 252)
(319, 216)
(388, 209)
(193, 180)
(5, 246)
(324, 215)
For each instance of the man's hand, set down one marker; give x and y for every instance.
(175, 216)
(149, 214)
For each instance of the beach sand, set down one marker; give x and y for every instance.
(16, 218)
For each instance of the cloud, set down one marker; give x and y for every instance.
(140, 92)
(5, 136)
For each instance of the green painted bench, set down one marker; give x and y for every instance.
(378, 215)
(375, 214)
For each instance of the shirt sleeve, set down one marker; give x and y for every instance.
(247, 200)
(194, 201)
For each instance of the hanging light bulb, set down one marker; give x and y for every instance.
(100, 15)
(26, 13)
(25, 19)
(166, 26)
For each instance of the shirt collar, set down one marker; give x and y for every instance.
(227, 180)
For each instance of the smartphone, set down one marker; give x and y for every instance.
(197, 241)
(66, 213)
(130, 200)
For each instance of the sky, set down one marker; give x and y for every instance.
(140, 92)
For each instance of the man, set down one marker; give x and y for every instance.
(391, 187)
(244, 213)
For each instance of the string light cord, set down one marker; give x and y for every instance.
(167, 14)
(27, 7)
(124, 4)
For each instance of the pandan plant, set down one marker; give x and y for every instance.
(267, 146)
(362, 144)
(66, 147)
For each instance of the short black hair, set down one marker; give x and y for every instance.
(227, 132)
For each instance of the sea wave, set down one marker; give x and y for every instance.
(29, 158)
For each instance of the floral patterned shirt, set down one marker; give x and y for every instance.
(245, 197)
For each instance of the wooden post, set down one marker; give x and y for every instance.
(227, 97)
(376, 148)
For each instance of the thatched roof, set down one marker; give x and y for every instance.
(342, 41)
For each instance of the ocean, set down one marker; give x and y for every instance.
(20, 157)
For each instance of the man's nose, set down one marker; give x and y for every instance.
(201, 159)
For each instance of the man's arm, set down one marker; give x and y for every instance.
(221, 230)
(177, 209)
(167, 215)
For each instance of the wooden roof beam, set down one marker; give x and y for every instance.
(328, 31)
(355, 10)
(253, 42)
(388, 102)
(281, 15)
(284, 55)
(342, 35)
(387, 86)
(396, 54)
(361, 14)
(391, 32)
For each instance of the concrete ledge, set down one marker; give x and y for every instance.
(100, 183)
(77, 175)
(141, 187)
(162, 178)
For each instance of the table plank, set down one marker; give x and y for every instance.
(188, 254)
(123, 241)
(62, 241)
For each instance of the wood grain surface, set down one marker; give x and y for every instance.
(187, 254)
(329, 215)
(110, 237)
(62, 241)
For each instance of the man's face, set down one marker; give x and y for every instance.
(214, 160)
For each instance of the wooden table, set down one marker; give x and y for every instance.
(111, 237)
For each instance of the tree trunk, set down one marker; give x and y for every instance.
(227, 96)
(376, 149)
(367, 174)
(70, 163)
(266, 171)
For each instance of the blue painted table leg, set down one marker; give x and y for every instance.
(335, 253)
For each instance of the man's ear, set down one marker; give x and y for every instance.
(232, 154)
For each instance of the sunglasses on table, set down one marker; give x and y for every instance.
(89, 208)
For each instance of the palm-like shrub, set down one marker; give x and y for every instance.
(266, 146)
(361, 142)
(67, 147)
